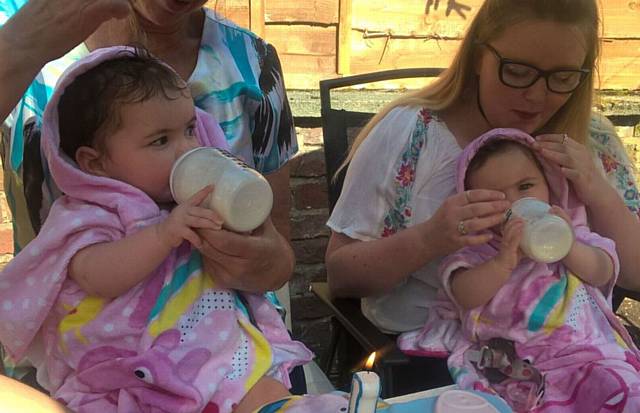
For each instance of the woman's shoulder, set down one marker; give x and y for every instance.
(600, 127)
(411, 116)
(604, 139)
(404, 125)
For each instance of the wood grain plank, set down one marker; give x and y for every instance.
(317, 11)
(256, 19)
(621, 18)
(619, 66)
(235, 10)
(344, 37)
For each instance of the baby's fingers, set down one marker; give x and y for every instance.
(202, 222)
(192, 237)
(512, 235)
(206, 214)
(556, 210)
(201, 195)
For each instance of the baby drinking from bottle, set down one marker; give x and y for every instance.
(534, 302)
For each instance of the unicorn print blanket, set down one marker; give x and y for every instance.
(173, 343)
(562, 326)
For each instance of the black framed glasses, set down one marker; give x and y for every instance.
(522, 75)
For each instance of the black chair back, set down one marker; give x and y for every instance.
(337, 123)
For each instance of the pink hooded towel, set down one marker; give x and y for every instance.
(563, 326)
(173, 343)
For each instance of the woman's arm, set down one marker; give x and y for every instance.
(363, 268)
(41, 31)
(610, 217)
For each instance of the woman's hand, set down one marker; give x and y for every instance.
(463, 219)
(575, 162)
(43, 30)
(257, 262)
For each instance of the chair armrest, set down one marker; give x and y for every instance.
(619, 295)
(347, 312)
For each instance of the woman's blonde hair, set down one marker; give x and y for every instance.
(493, 17)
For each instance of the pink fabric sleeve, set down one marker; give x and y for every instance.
(465, 258)
(31, 282)
(209, 131)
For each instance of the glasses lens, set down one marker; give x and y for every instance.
(517, 75)
(564, 81)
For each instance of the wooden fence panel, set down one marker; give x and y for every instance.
(307, 53)
(320, 12)
(414, 17)
(451, 18)
(234, 10)
(319, 39)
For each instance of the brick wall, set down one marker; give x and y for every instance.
(309, 236)
(6, 233)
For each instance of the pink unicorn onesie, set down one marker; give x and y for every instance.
(173, 343)
(547, 341)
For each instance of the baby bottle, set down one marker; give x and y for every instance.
(241, 196)
(546, 237)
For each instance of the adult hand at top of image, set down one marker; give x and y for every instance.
(43, 30)
(463, 219)
(257, 262)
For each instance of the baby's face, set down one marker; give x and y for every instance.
(152, 135)
(513, 173)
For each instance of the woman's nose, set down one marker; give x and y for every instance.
(538, 91)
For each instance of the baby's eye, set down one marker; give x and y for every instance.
(524, 187)
(160, 141)
(191, 131)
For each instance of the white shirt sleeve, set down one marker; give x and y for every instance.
(368, 190)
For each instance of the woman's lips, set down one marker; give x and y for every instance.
(177, 5)
(526, 115)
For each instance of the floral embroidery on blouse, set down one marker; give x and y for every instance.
(399, 216)
(618, 169)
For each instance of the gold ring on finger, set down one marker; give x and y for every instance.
(461, 228)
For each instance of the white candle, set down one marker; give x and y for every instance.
(365, 389)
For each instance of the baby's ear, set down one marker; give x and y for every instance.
(90, 161)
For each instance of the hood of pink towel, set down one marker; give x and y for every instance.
(560, 192)
(130, 203)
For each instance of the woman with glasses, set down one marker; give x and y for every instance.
(523, 64)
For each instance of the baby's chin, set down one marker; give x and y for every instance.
(163, 198)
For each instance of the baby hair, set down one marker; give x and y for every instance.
(497, 146)
(89, 108)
